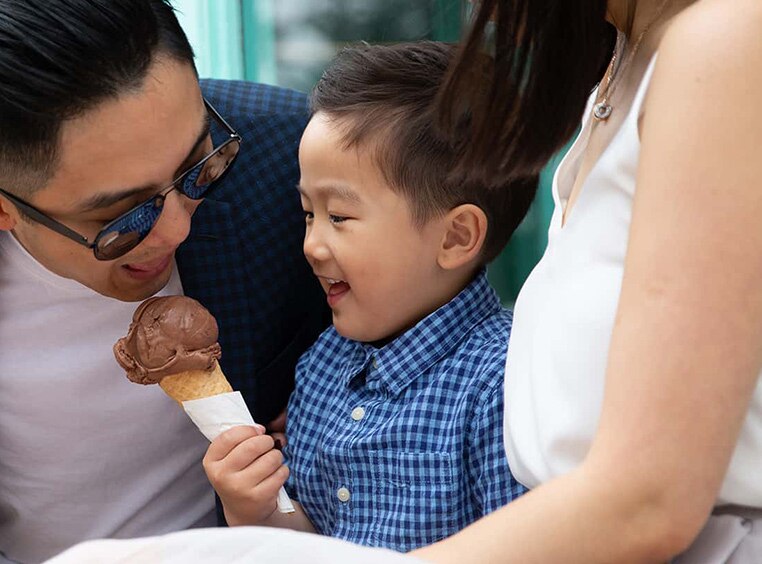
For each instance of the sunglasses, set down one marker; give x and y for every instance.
(124, 233)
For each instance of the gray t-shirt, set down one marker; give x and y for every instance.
(84, 453)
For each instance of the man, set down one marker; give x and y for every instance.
(120, 178)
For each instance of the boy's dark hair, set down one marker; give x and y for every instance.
(382, 96)
(61, 58)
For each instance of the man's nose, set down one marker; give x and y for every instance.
(173, 225)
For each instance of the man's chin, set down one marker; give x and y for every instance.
(130, 290)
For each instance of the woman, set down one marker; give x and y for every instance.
(634, 404)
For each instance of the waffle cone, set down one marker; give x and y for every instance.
(195, 384)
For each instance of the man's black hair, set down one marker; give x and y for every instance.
(61, 58)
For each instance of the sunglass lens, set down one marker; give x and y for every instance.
(198, 180)
(125, 233)
(117, 244)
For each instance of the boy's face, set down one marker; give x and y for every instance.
(378, 269)
(122, 152)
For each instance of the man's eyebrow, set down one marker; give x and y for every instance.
(336, 191)
(107, 199)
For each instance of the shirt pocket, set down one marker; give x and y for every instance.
(414, 498)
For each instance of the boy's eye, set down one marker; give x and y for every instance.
(308, 215)
(336, 218)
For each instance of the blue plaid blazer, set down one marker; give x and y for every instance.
(243, 259)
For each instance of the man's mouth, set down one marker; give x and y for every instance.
(149, 269)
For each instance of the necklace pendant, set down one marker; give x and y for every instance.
(602, 111)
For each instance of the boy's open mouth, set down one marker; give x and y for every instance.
(337, 289)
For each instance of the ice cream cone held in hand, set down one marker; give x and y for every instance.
(172, 341)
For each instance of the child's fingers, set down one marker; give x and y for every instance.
(248, 452)
(252, 454)
(254, 487)
(227, 441)
(268, 488)
(262, 468)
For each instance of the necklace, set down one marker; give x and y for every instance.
(602, 110)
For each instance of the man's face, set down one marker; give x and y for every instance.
(112, 158)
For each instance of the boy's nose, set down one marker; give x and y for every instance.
(314, 248)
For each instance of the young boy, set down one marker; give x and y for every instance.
(395, 427)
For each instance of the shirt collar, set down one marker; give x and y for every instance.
(393, 367)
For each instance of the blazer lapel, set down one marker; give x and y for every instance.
(212, 272)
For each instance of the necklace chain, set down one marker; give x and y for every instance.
(602, 110)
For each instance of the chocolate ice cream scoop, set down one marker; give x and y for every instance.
(168, 335)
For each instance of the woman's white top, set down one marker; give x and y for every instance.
(250, 545)
(564, 317)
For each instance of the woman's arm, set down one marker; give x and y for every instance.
(687, 344)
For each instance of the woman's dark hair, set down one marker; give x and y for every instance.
(60, 58)
(524, 82)
(381, 97)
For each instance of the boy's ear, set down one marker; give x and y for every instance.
(7, 220)
(465, 232)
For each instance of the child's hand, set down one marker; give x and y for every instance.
(246, 472)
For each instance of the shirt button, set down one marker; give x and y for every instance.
(358, 413)
(374, 364)
(343, 495)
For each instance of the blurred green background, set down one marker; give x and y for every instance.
(289, 42)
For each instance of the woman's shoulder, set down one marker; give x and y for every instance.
(710, 64)
(721, 33)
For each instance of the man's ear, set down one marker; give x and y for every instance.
(7, 215)
(465, 232)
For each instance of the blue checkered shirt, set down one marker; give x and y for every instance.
(401, 446)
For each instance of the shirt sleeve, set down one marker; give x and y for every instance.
(491, 482)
